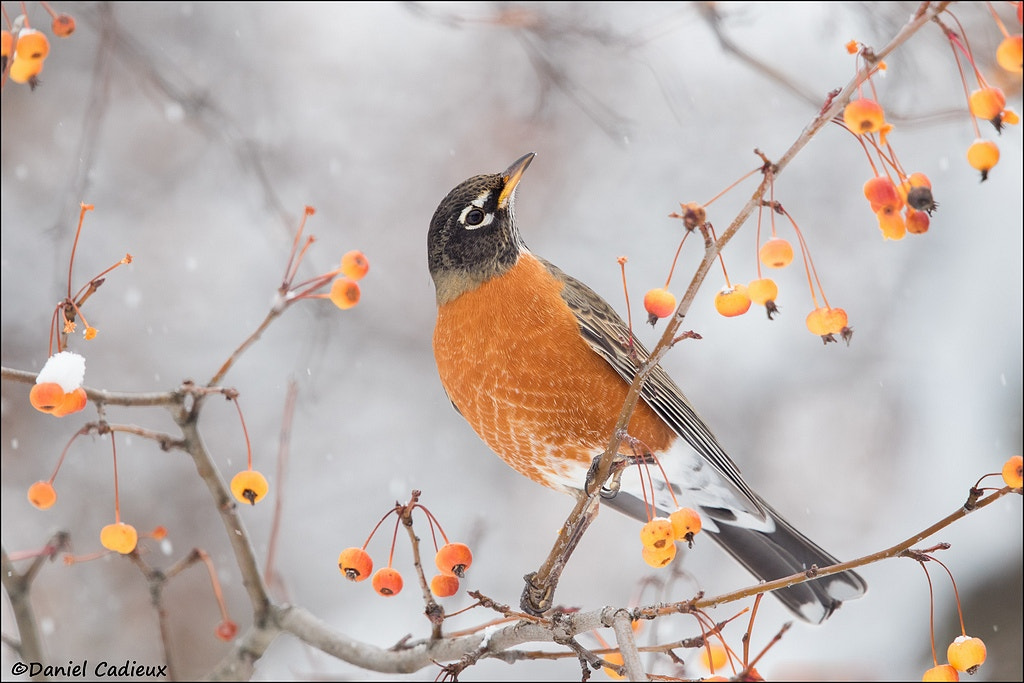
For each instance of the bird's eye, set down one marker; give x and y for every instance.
(474, 217)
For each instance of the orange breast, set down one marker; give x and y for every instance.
(512, 360)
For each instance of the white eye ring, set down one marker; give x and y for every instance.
(488, 218)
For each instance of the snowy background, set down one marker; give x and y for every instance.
(199, 131)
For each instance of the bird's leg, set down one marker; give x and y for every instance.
(538, 595)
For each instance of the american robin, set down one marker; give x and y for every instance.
(539, 365)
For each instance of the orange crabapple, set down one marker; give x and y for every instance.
(776, 253)
(46, 396)
(444, 586)
(119, 537)
(987, 103)
(226, 630)
(864, 115)
(983, 155)
(659, 557)
(732, 301)
(344, 293)
(614, 658)
(1010, 52)
(824, 321)
(762, 291)
(42, 495)
(657, 533)
(387, 582)
(942, 672)
(917, 222)
(966, 654)
(685, 524)
(73, 402)
(25, 70)
(659, 303)
(891, 223)
(249, 486)
(355, 563)
(453, 559)
(1013, 472)
(354, 264)
(32, 45)
(717, 658)
(882, 192)
(63, 25)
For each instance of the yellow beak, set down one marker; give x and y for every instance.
(512, 177)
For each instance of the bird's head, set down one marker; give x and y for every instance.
(473, 235)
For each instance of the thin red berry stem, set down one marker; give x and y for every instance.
(675, 258)
(117, 495)
(217, 593)
(289, 273)
(625, 290)
(931, 611)
(245, 432)
(734, 184)
(956, 594)
(81, 218)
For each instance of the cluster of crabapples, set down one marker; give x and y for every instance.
(452, 561)
(735, 299)
(660, 534)
(25, 49)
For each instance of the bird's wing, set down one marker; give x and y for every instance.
(607, 334)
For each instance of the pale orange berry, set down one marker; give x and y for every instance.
(1012, 472)
(1010, 52)
(987, 103)
(355, 563)
(966, 654)
(63, 25)
(226, 630)
(354, 264)
(42, 495)
(25, 70)
(616, 659)
(983, 155)
(891, 223)
(119, 537)
(836, 319)
(46, 396)
(917, 222)
(344, 293)
(659, 557)
(32, 45)
(453, 559)
(734, 301)
(942, 672)
(660, 303)
(657, 533)
(444, 586)
(864, 116)
(824, 321)
(249, 486)
(762, 291)
(387, 582)
(685, 524)
(716, 660)
(776, 253)
(73, 402)
(882, 192)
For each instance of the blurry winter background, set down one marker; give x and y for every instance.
(200, 130)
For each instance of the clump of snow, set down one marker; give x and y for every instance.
(66, 369)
